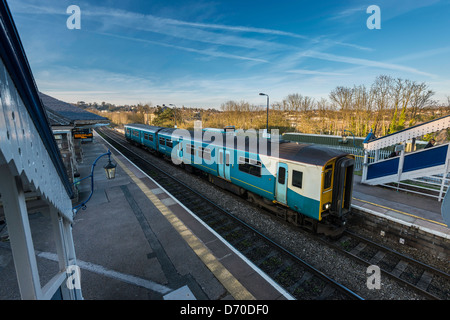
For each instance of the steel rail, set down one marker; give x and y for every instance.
(387, 250)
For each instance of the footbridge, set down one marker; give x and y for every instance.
(422, 166)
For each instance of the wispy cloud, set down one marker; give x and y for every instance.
(363, 62)
(315, 72)
(423, 54)
(237, 28)
(196, 31)
(209, 52)
(228, 35)
(348, 12)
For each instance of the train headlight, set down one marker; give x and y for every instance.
(327, 206)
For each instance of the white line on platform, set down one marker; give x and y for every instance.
(148, 284)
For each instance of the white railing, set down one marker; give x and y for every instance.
(359, 155)
(409, 133)
(22, 148)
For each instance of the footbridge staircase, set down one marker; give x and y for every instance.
(422, 166)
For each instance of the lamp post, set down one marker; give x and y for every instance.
(267, 121)
(345, 130)
(110, 171)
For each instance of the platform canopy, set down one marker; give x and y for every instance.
(33, 179)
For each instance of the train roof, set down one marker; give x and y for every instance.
(145, 127)
(167, 131)
(292, 151)
(308, 153)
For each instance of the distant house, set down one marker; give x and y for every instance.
(71, 126)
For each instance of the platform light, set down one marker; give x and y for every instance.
(110, 170)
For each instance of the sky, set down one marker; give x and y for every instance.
(204, 53)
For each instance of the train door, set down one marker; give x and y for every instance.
(281, 184)
(177, 151)
(180, 148)
(224, 164)
(227, 167)
(220, 163)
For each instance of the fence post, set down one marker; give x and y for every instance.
(444, 175)
(365, 166)
(400, 164)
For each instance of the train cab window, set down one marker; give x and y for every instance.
(169, 143)
(327, 179)
(129, 132)
(282, 175)
(162, 141)
(297, 179)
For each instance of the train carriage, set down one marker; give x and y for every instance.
(306, 184)
(166, 142)
(143, 135)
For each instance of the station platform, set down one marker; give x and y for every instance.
(407, 208)
(134, 241)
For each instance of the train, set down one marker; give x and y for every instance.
(306, 185)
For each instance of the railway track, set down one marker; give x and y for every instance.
(299, 278)
(426, 280)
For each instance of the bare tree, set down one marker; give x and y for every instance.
(362, 104)
(342, 97)
(420, 98)
(293, 102)
(380, 92)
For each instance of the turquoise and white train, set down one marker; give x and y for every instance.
(307, 185)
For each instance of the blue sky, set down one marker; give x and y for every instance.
(204, 53)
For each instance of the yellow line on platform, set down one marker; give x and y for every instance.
(398, 211)
(234, 287)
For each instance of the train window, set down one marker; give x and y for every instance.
(227, 159)
(129, 132)
(169, 143)
(327, 179)
(162, 141)
(150, 137)
(205, 153)
(253, 169)
(189, 149)
(297, 179)
(146, 136)
(282, 175)
(136, 133)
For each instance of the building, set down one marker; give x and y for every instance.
(71, 127)
(33, 176)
